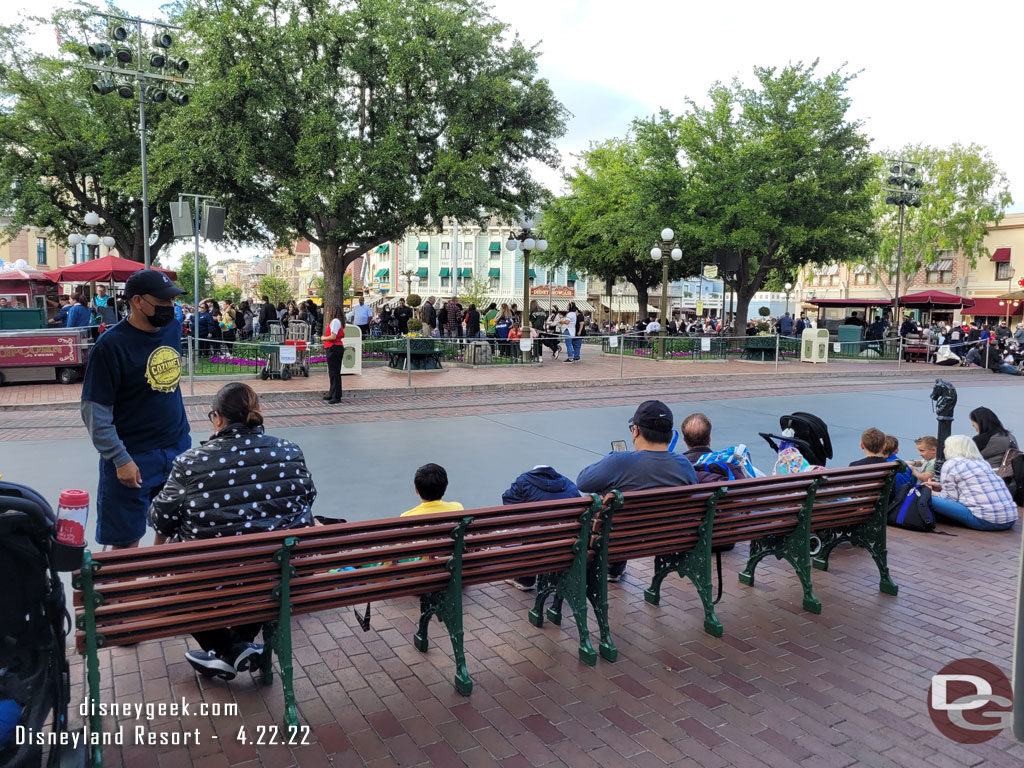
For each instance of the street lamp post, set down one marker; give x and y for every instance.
(904, 190)
(526, 241)
(668, 250)
(92, 240)
(788, 287)
(123, 80)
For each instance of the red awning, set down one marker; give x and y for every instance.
(1001, 254)
(994, 308)
(935, 300)
(102, 270)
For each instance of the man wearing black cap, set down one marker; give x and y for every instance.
(132, 407)
(651, 465)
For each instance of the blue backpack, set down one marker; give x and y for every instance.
(911, 508)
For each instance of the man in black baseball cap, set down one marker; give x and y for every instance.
(651, 465)
(132, 407)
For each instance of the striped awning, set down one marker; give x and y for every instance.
(943, 265)
(629, 304)
(381, 249)
(556, 303)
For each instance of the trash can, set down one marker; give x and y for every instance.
(850, 340)
(814, 345)
(352, 357)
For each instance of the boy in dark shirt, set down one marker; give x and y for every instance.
(872, 442)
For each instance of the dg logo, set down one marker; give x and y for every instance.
(970, 701)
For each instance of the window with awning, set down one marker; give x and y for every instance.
(423, 247)
(382, 274)
(533, 273)
(446, 272)
(573, 276)
(942, 265)
(381, 249)
(494, 272)
(495, 248)
(465, 272)
(421, 272)
(1001, 254)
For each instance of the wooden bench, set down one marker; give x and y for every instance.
(127, 596)
(681, 526)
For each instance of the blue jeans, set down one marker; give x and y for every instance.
(1007, 368)
(954, 510)
(572, 347)
(120, 510)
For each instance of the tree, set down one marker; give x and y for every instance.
(623, 192)
(276, 289)
(964, 191)
(186, 277)
(779, 175)
(349, 122)
(230, 293)
(477, 292)
(66, 151)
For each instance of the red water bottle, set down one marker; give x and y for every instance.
(72, 515)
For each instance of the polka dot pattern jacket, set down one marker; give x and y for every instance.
(239, 481)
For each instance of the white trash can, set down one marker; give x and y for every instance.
(814, 345)
(352, 359)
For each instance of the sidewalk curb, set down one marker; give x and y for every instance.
(532, 386)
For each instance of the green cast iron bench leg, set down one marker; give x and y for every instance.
(447, 606)
(283, 635)
(794, 548)
(695, 565)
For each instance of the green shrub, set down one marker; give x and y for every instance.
(764, 311)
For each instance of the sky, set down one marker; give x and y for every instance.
(929, 72)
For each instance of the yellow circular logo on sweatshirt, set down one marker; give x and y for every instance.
(163, 369)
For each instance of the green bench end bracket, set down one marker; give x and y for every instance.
(597, 576)
(695, 565)
(446, 604)
(794, 548)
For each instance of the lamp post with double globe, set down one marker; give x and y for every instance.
(526, 240)
(668, 250)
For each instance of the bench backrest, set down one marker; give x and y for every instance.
(156, 592)
(667, 520)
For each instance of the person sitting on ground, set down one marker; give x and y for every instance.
(976, 356)
(872, 442)
(266, 487)
(969, 491)
(891, 451)
(542, 483)
(924, 467)
(696, 431)
(431, 482)
(651, 465)
(992, 438)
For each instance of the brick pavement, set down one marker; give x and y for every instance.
(783, 687)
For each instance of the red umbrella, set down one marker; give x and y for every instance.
(935, 300)
(107, 269)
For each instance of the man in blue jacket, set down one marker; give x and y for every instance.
(542, 483)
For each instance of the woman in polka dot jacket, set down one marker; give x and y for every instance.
(239, 481)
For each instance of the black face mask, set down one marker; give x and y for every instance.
(161, 316)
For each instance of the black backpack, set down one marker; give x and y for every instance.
(910, 508)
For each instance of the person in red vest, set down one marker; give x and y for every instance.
(333, 338)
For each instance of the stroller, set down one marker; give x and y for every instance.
(33, 630)
(808, 435)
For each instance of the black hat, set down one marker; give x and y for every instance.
(152, 282)
(653, 415)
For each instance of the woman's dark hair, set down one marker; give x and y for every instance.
(244, 306)
(492, 305)
(335, 312)
(280, 306)
(987, 422)
(472, 307)
(238, 403)
(572, 306)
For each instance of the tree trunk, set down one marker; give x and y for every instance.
(743, 299)
(334, 274)
(608, 285)
(642, 298)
